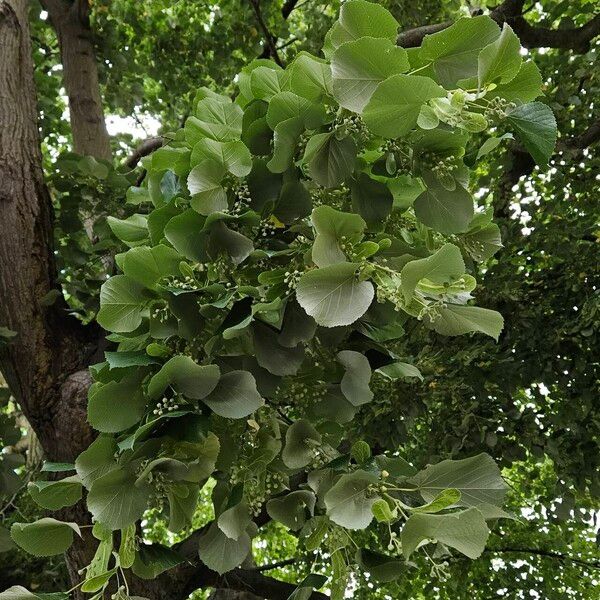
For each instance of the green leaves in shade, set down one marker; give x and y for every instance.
(445, 266)
(501, 60)
(395, 105)
(116, 499)
(477, 479)
(355, 382)
(466, 531)
(234, 521)
(292, 509)
(372, 200)
(301, 438)
(152, 560)
(334, 228)
(116, 405)
(330, 160)
(186, 376)
(454, 51)
(333, 295)
(56, 494)
(235, 396)
(45, 537)
(380, 567)
(535, 126)
(358, 67)
(457, 319)
(444, 210)
(358, 19)
(221, 553)
(184, 232)
(349, 501)
(271, 355)
(400, 369)
(122, 301)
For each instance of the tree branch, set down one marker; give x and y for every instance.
(288, 7)
(511, 11)
(244, 580)
(269, 37)
(546, 554)
(144, 148)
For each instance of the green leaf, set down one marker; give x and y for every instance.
(372, 199)
(382, 512)
(45, 537)
(56, 494)
(333, 295)
(285, 140)
(334, 228)
(220, 553)
(134, 358)
(184, 231)
(132, 230)
(6, 542)
(466, 531)
(218, 120)
(359, 66)
(204, 184)
(445, 499)
(148, 265)
(271, 355)
(456, 319)
(115, 406)
(535, 125)
(477, 479)
(330, 160)
(396, 103)
(349, 502)
(358, 19)
(380, 567)
(96, 460)
(301, 438)
(501, 60)
(454, 51)
(355, 382)
(265, 82)
(232, 156)
(116, 500)
(444, 210)
(444, 266)
(287, 105)
(233, 243)
(17, 592)
(152, 560)
(296, 327)
(171, 158)
(183, 501)
(399, 369)
(122, 300)
(309, 77)
(235, 396)
(306, 587)
(127, 547)
(525, 86)
(292, 509)
(234, 521)
(187, 377)
(294, 202)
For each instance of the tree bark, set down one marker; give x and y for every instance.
(45, 364)
(70, 20)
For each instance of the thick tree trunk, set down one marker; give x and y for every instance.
(45, 363)
(70, 20)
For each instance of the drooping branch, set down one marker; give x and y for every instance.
(288, 7)
(576, 39)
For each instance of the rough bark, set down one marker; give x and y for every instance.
(44, 363)
(70, 20)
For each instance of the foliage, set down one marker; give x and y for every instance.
(282, 243)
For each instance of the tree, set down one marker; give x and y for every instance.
(178, 254)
